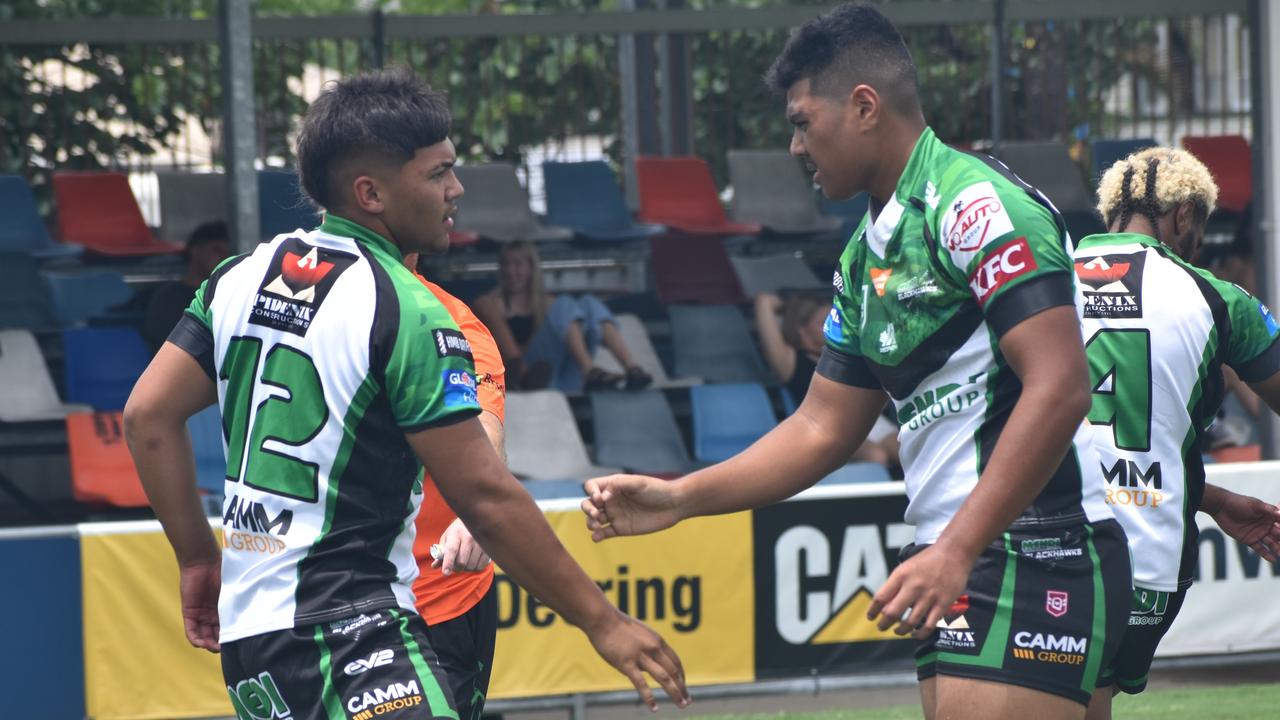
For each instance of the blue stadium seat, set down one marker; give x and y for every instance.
(78, 297)
(859, 472)
(205, 428)
(553, 489)
(24, 296)
(282, 207)
(728, 418)
(1105, 152)
(714, 343)
(585, 196)
(21, 229)
(102, 365)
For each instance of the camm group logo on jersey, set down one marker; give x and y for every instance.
(295, 285)
(1131, 484)
(1112, 286)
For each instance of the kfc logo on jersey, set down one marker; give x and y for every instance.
(296, 283)
(1003, 265)
(1055, 602)
(1112, 286)
(977, 216)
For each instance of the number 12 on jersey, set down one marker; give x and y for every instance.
(291, 415)
(1120, 375)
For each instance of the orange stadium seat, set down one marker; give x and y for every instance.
(102, 470)
(680, 193)
(1229, 159)
(98, 210)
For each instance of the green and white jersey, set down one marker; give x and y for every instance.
(326, 351)
(1157, 332)
(961, 253)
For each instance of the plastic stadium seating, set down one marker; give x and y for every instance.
(98, 210)
(497, 207)
(772, 273)
(24, 296)
(633, 333)
(188, 200)
(638, 431)
(1230, 160)
(770, 188)
(728, 418)
(205, 428)
(282, 207)
(1104, 153)
(102, 470)
(693, 269)
(680, 193)
(555, 489)
(714, 343)
(102, 365)
(854, 473)
(77, 297)
(543, 442)
(29, 393)
(585, 197)
(1048, 167)
(21, 228)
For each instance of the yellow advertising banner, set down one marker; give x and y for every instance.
(693, 584)
(138, 663)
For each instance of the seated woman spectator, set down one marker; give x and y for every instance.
(792, 348)
(546, 340)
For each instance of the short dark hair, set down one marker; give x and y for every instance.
(208, 232)
(850, 45)
(389, 113)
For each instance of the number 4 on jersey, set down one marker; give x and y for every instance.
(1120, 375)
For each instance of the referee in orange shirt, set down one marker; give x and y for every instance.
(454, 590)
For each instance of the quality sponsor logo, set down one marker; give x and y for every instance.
(459, 388)
(1130, 485)
(258, 698)
(1048, 549)
(1056, 602)
(296, 283)
(837, 281)
(888, 340)
(880, 279)
(1049, 648)
(954, 632)
(379, 658)
(832, 328)
(1112, 286)
(451, 343)
(1003, 265)
(977, 217)
(384, 700)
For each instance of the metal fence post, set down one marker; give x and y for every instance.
(635, 79)
(999, 53)
(579, 709)
(1264, 71)
(235, 37)
(379, 38)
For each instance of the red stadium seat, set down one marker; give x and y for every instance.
(693, 270)
(1229, 159)
(98, 210)
(462, 238)
(679, 192)
(102, 470)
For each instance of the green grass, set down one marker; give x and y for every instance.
(1236, 702)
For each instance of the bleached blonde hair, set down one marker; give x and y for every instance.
(1153, 183)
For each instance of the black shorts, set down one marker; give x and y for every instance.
(377, 664)
(1149, 619)
(1044, 608)
(464, 646)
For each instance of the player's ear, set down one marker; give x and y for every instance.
(864, 101)
(367, 193)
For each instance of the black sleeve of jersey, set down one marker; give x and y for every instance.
(447, 420)
(1030, 298)
(193, 336)
(847, 369)
(1261, 367)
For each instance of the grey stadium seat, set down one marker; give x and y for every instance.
(770, 188)
(1046, 166)
(771, 273)
(188, 200)
(498, 208)
(637, 431)
(714, 343)
(29, 393)
(631, 328)
(543, 442)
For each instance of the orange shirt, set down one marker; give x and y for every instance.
(441, 597)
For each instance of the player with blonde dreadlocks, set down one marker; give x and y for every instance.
(1158, 332)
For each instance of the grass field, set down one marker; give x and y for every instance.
(1236, 702)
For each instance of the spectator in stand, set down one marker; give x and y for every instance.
(208, 245)
(550, 340)
(792, 345)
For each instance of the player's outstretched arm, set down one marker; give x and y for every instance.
(1046, 352)
(1250, 521)
(171, 390)
(819, 437)
(509, 525)
(458, 548)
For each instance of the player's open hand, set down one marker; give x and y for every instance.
(629, 505)
(459, 552)
(926, 584)
(634, 649)
(1251, 522)
(199, 585)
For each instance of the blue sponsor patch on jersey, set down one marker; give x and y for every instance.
(832, 327)
(459, 389)
(1272, 326)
